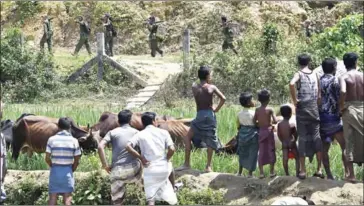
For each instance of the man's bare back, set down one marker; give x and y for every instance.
(264, 116)
(354, 82)
(203, 94)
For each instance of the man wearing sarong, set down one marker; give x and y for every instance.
(125, 168)
(204, 125)
(330, 122)
(351, 107)
(247, 137)
(158, 170)
(3, 168)
(307, 115)
(62, 155)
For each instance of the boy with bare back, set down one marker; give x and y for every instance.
(351, 107)
(263, 118)
(204, 125)
(287, 134)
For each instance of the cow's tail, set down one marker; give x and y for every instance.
(20, 132)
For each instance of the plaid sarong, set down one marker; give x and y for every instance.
(121, 175)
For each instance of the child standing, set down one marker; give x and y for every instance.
(263, 117)
(287, 134)
(247, 138)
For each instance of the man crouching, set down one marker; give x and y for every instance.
(158, 169)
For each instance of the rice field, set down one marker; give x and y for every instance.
(84, 112)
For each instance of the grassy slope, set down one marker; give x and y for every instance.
(89, 112)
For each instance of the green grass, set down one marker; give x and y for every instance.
(89, 112)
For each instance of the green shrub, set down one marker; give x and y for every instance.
(25, 73)
(341, 38)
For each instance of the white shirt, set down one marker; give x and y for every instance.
(246, 117)
(153, 143)
(290, 201)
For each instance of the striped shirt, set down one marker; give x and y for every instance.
(63, 148)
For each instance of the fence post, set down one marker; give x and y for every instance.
(100, 54)
(186, 49)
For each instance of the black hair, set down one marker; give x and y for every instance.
(286, 111)
(245, 99)
(148, 118)
(329, 65)
(223, 18)
(203, 72)
(309, 202)
(350, 60)
(264, 96)
(304, 59)
(124, 117)
(64, 123)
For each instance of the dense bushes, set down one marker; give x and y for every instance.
(268, 59)
(25, 73)
(94, 188)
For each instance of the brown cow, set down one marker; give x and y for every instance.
(33, 132)
(109, 121)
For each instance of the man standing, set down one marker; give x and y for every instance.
(204, 125)
(3, 168)
(125, 168)
(47, 35)
(84, 36)
(109, 35)
(306, 100)
(331, 127)
(351, 107)
(158, 170)
(153, 39)
(228, 35)
(62, 155)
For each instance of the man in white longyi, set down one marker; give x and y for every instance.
(158, 170)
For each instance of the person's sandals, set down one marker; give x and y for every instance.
(353, 181)
(261, 176)
(302, 176)
(273, 175)
(322, 176)
(182, 168)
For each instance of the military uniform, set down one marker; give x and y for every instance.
(109, 38)
(228, 38)
(84, 38)
(153, 39)
(47, 36)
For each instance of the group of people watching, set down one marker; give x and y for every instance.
(327, 109)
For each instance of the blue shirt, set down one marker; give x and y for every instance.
(330, 93)
(63, 148)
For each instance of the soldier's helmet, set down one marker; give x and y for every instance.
(107, 15)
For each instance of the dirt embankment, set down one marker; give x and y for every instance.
(244, 191)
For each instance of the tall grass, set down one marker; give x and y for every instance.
(89, 112)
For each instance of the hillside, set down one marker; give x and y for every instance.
(203, 18)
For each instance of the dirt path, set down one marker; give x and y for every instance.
(154, 70)
(244, 191)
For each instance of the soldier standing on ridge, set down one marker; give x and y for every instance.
(84, 36)
(48, 33)
(109, 35)
(153, 40)
(228, 35)
(308, 28)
